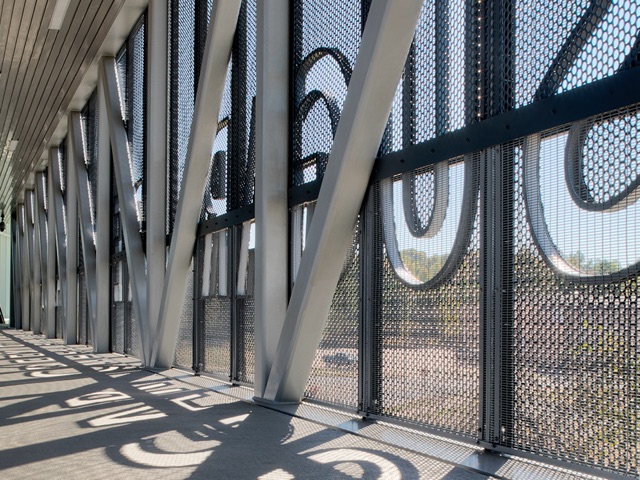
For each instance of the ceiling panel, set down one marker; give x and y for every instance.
(40, 71)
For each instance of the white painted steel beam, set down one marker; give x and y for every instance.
(271, 207)
(136, 261)
(81, 180)
(51, 254)
(103, 228)
(57, 211)
(71, 204)
(41, 223)
(383, 51)
(224, 18)
(156, 167)
(37, 263)
(16, 311)
(31, 260)
(24, 259)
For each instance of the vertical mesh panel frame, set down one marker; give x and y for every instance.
(574, 342)
(184, 346)
(334, 372)
(428, 370)
(217, 349)
(326, 40)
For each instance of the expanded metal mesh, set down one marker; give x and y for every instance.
(245, 309)
(82, 317)
(427, 337)
(184, 346)
(563, 45)
(90, 142)
(231, 182)
(334, 373)
(245, 356)
(217, 336)
(117, 327)
(58, 322)
(574, 342)
(136, 124)
(182, 94)
(326, 39)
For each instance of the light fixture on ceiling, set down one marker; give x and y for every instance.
(59, 12)
(13, 145)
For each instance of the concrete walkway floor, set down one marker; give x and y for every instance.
(66, 413)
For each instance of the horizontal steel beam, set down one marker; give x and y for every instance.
(595, 98)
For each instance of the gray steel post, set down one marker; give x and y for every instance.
(71, 319)
(385, 43)
(32, 261)
(51, 255)
(156, 167)
(126, 197)
(205, 122)
(81, 180)
(272, 160)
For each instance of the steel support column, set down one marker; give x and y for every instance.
(101, 341)
(156, 157)
(57, 211)
(126, 197)
(51, 255)
(41, 224)
(31, 261)
(224, 17)
(71, 319)
(81, 180)
(24, 257)
(272, 213)
(15, 276)
(385, 43)
(37, 263)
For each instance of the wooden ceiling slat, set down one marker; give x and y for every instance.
(55, 43)
(63, 72)
(27, 39)
(41, 70)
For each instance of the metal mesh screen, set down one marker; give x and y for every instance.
(574, 391)
(184, 346)
(136, 124)
(217, 336)
(426, 341)
(334, 373)
(577, 43)
(326, 39)
(245, 306)
(117, 310)
(82, 318)
(90, 141)
(58, 322)
(182, 94)
(232, 169)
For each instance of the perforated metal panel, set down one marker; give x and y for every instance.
(82, 317)
(58, 322)
(117, 327)
(575, 43)
(334, 373)
(182, 94)
(90, 143)
(184, 346)
(326, 39)
(217, 336)
(244, 315)
(232, 169)
(575, 330)
(245, 355)
(427, 335)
